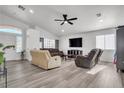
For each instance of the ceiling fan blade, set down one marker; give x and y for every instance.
(58, 20)
(62, 23)
(72, 19)
(65, 17)
(70, 23)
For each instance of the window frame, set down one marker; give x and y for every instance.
(48, 43)
(105, 44)
(13, 30)
(19, 36)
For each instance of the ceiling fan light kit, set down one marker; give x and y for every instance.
(66, 20)
(21, 7)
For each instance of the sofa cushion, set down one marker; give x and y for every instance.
(53, 52)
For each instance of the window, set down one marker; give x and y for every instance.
(18, 43)
(7, 30)
(105, 41)
(18, 34)
(109, 41)
(49, 43)
(100, 41)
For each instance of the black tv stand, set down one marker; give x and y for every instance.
(74, 53)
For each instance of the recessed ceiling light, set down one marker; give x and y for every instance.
(100, 20)
(66, 22)
(62, 30)
(31, 11)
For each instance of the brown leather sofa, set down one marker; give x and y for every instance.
(90, 60)
(54, 52)
(43, 59)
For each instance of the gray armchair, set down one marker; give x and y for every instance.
(90, 60)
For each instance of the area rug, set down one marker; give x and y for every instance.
(96, 69)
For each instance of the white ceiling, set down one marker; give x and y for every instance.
(112, 15)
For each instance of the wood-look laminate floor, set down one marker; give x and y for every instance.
(25, 75)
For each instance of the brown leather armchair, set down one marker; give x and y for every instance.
(99, 55)
(90, 60)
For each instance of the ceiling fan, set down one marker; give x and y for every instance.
(21, 7)
(65, 20)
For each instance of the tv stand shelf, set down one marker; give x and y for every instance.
(74, 53)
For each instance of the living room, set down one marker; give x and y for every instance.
(44, 39)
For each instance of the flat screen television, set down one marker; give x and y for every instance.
(75, 42)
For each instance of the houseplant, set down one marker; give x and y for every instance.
(2, 49)
(4, 70)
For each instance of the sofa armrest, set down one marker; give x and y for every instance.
(54, 62)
